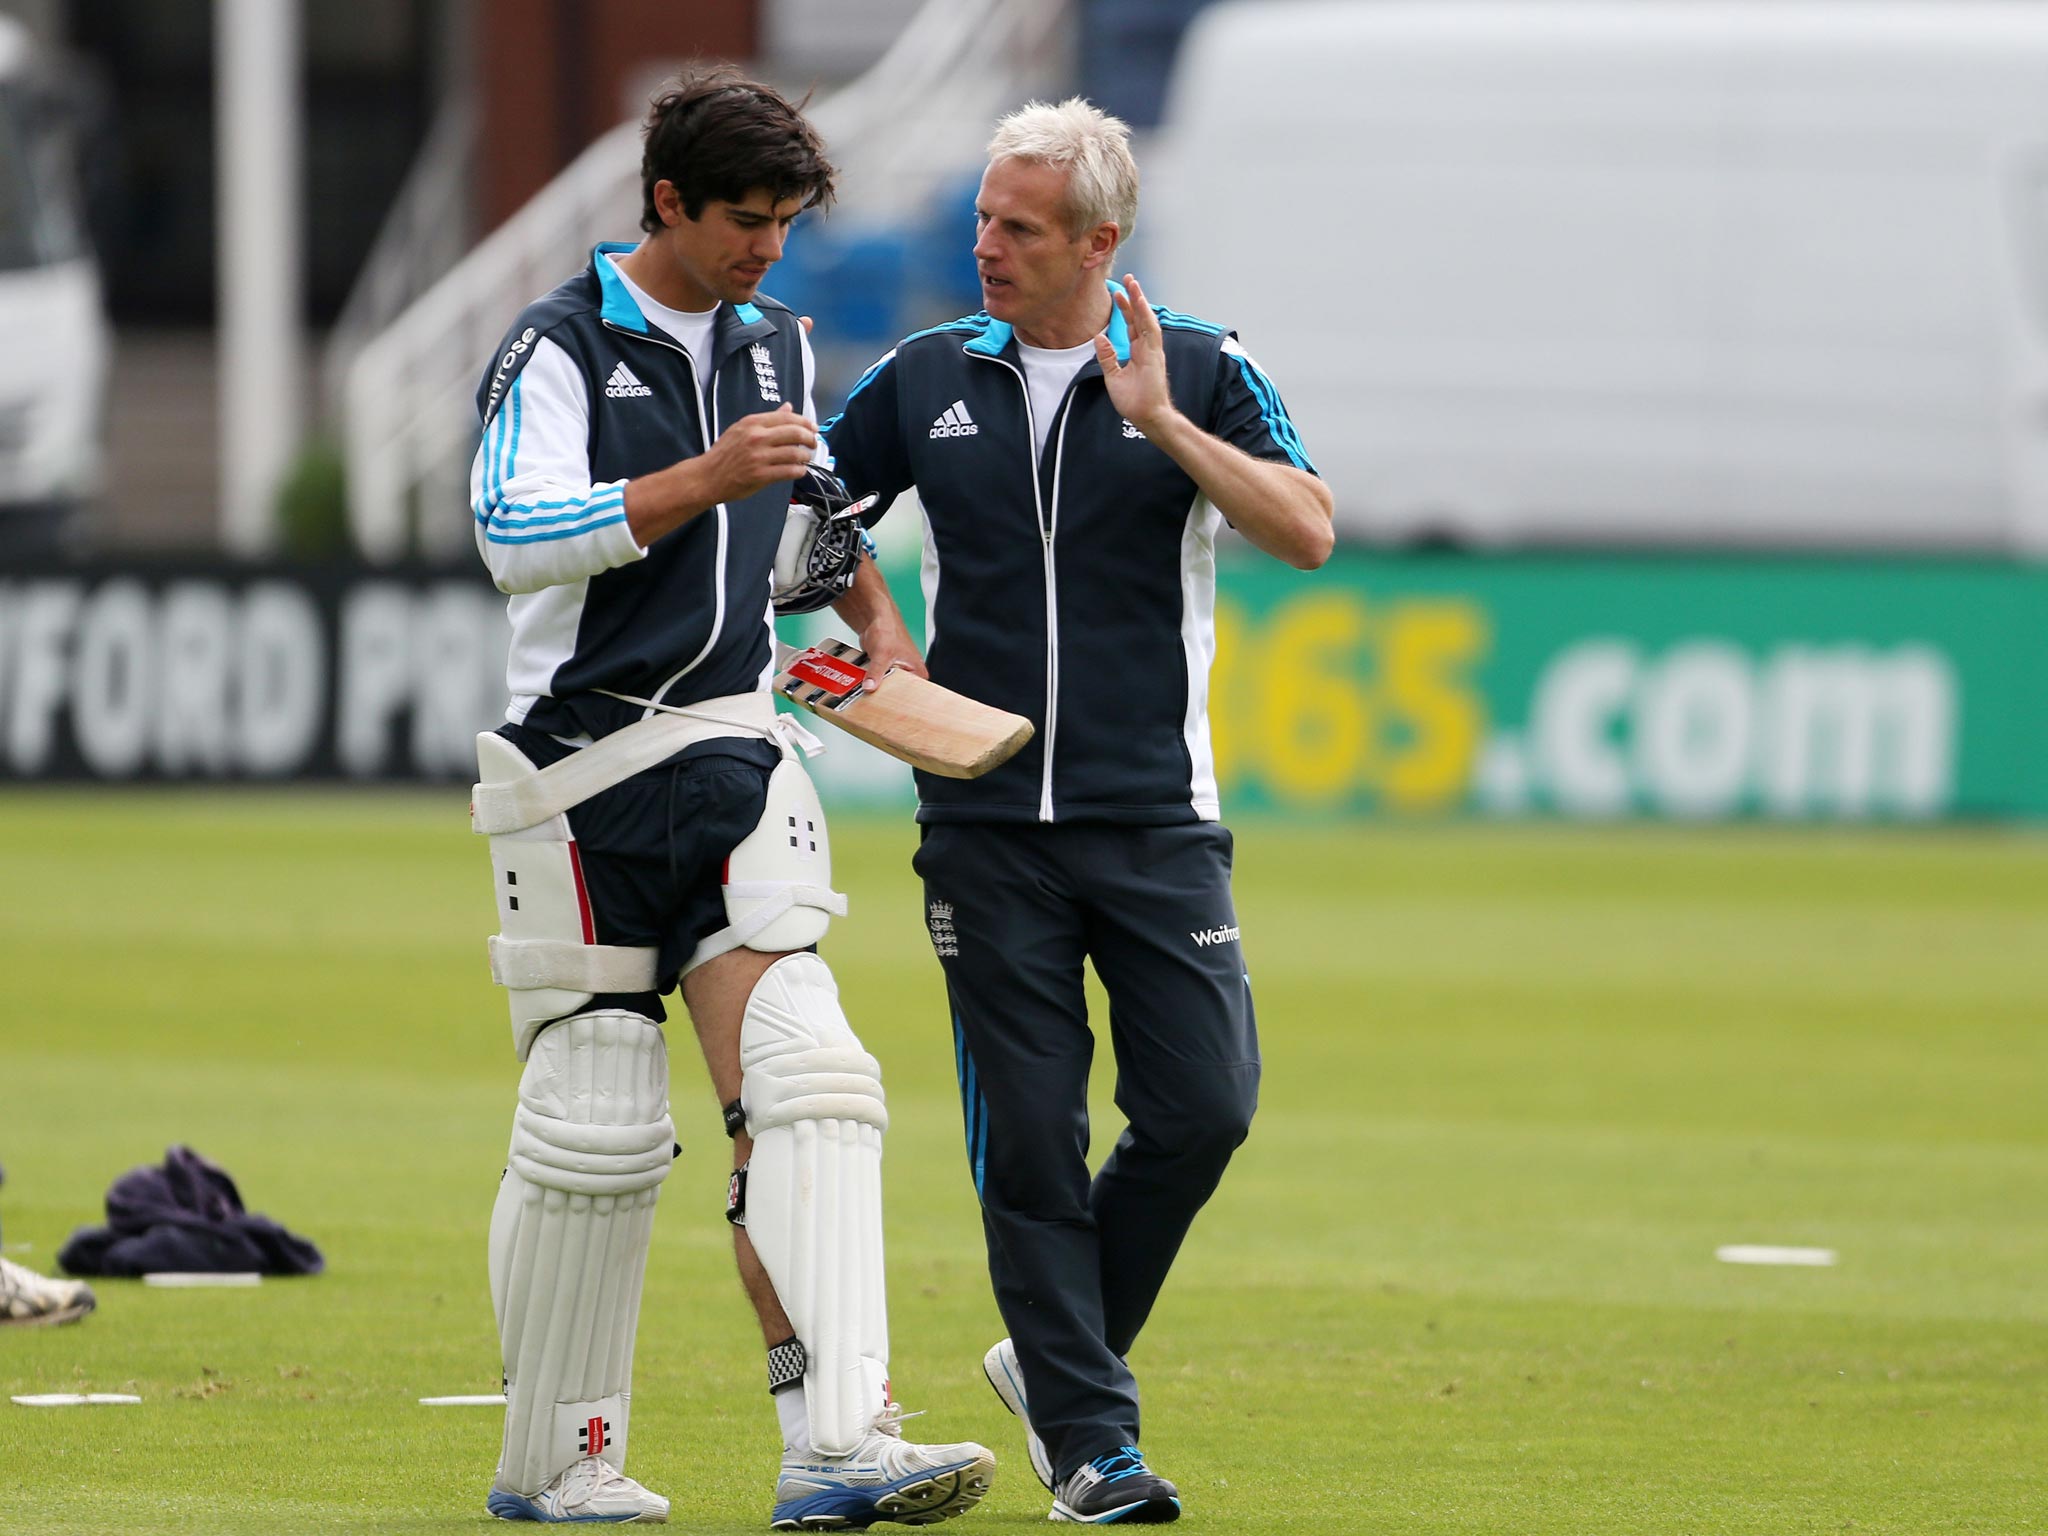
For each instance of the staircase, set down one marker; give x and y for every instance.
(163, 428)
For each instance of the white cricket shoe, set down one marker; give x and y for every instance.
(885, 1477)
(28, 1298)
(999, 1365)
(591, 1491)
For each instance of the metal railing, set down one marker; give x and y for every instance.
(431, 224)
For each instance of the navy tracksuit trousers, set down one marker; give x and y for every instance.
(1013, 910)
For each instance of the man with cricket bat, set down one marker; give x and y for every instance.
(1073, 448)
(649, 475)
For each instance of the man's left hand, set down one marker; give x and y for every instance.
(1137, 388)
(890, 648)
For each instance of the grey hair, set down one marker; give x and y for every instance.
(1093, 148)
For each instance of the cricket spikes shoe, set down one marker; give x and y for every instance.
(29, 1299)
(589, 1492)
(999, 1365)
(1116, 1487)
(885, 1477)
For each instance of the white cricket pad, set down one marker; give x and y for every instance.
(778, 880)
(814, 1190)
(546, 954)
(591, 1143)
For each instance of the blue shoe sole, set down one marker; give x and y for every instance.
(845, 1509)
(510, 1506)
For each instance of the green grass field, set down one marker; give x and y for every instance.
(1520, 1085)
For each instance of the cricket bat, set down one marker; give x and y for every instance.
(911, 718)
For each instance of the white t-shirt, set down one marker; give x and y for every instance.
(691, 328)
(1047, 373)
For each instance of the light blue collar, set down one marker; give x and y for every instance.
(619, 308)
(1119, 333)
(990, 343)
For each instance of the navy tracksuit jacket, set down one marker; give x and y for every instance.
(1077, 587)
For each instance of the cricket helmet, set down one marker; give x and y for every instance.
(821, 543)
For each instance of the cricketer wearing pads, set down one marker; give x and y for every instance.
(648, 452)
(1074, 448)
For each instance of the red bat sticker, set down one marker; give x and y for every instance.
(836, 677)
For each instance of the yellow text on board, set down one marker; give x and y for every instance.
(1336, 700)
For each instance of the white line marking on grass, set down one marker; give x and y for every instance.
(480, 1400)
(179, 1279)
(1763, 1253)
(73, 1399)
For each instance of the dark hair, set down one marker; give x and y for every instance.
(714, 133)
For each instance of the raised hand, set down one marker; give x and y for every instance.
(1138, 389)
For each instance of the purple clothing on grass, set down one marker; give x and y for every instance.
(186, 1215)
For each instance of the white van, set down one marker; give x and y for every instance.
(1712, 274)
(54, 338)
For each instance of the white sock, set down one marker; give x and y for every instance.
(796, 1419)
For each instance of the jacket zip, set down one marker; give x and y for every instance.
(708, 426)
(1052, 604)
(1052, 607)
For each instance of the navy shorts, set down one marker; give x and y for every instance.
(653, 847)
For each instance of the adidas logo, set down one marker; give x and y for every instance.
(623, 386)
(955, 422)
